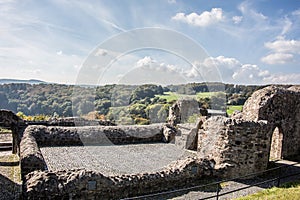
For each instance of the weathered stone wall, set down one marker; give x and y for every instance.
(95, 135)
(82, 184)
(35, 136)
(39, 183)
(238, 147)
(8, 119)
(182, 110)
(31, 158)
(281, 108)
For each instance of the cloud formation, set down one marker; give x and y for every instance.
(277, 58)
(283, 51)
(206, 18)
(237, 19)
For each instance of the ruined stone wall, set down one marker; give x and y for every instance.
(96, 135)
(182, 110)
(39, 183)
(36, 135)
(31, 158)
(82, 184)
(281, 108)
(238, 147)
(8, 119)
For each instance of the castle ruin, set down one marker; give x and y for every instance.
(268, 127)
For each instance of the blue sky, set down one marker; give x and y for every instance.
(249, 42)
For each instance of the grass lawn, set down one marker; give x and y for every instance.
(231, 109)
(287, 191)
(171, 96)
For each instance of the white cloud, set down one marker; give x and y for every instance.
(296, 12)
(250, 74)
(231, 70)
(225, 66)
(277, 58)
(287, 26)
(59, 53)
(284, 46)
(283, 51)
(283, 78)
(145, 62)
(237, 19)
(101, 52)
(245, 8)
(172, 1)
(204, 19)
(149, 63)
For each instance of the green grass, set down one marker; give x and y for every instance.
(172, 96)
(232, 109)
(287, 191)
(5, 131)
(208, 94)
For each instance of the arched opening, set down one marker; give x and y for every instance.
(276, 144)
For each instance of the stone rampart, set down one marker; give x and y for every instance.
(238, 147)
(82, 184)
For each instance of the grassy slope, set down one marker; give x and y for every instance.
(171, 96)
(288, 191)
(231, 109)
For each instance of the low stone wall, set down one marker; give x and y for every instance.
(95, 135)
(39, 183)
(31, 158)
(35, 136)
(238, 147)
(82, 184)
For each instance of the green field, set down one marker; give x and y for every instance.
(172, 96)
(232, 109)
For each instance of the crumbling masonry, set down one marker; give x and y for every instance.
(268, 127)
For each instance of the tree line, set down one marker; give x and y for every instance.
(108, 100)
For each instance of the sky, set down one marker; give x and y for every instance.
(101, 42)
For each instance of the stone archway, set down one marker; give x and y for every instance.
(11, 121)
(276, 144)
(280, 107)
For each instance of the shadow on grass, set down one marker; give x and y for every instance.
(9, 189)
(9, 164)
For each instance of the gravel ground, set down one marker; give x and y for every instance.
(129, 159)
(114, 159)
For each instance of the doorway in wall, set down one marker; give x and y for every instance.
(276, 144)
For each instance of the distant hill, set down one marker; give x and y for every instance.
(30, 81)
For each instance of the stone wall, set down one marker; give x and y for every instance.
(95, 135)
(10, 120)
(39, 183)
(227, 147)
(280, 107)
(182, 110)
(35, 136)
(238, 147)
(82, 184)
(31, 158)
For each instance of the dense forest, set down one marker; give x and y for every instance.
(126, 103)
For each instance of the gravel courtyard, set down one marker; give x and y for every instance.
(114, 159)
